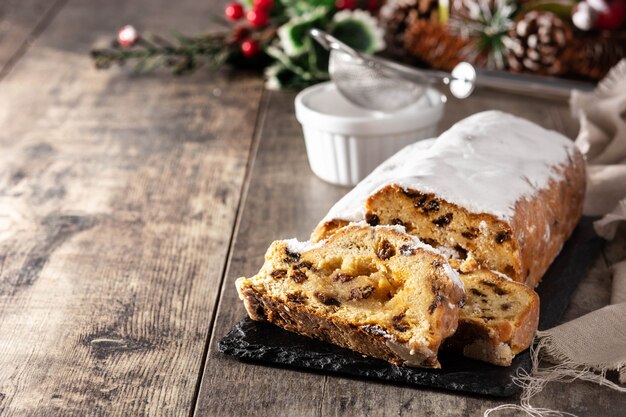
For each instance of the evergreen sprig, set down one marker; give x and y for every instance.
(187, 54)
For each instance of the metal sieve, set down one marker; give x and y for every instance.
(379, 84)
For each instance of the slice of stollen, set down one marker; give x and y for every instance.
(498, 320)
(375, 290)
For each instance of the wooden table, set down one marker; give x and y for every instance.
(130, 204)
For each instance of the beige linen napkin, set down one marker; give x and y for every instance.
(618, 295)
(588, 347)
(602, 138)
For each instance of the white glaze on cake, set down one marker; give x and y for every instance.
(485, 163)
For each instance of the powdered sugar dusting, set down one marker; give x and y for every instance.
(296, 246)
(485, 163)
(395, 227)
(418, 244)
(449, 252)
(501, 275)
(415, 241)
(453, 275)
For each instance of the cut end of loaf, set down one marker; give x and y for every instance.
(483, 237)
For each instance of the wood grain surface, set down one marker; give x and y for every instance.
(285, 200)
(117, 203)
(130, 204)
(21, 21)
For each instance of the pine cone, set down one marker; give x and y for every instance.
(433, 44)
(541, 43)
(486, 23)
(397, 15)
(598, 53)
(464, 9)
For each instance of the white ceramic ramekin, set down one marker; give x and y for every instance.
(345, 142)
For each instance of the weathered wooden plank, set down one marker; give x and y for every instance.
(20, 22)
(278, 203)
(285, 200)
(117, 202)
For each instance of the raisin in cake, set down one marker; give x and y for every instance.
(497, 321)
(375, 290)
(496, 188)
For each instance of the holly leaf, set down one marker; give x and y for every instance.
(294, 34)
(359, 30)
(279, 77)
(354, 34)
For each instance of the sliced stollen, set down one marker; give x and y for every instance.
(497, 321)
(375, 290)
(494, 187)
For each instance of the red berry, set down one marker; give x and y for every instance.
(263, 4)
(127, 36)
(257, 18)
(614, 17)
(234, 11)
(373, 5)
(250, 48)
(346, 4)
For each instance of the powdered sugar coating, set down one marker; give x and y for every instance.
(453, 275)
(296, 246)
(501, 275)
(485, 163)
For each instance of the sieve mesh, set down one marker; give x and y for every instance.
(373, 86)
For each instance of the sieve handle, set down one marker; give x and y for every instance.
(530, 85)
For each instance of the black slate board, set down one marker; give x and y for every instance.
(264, 342)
